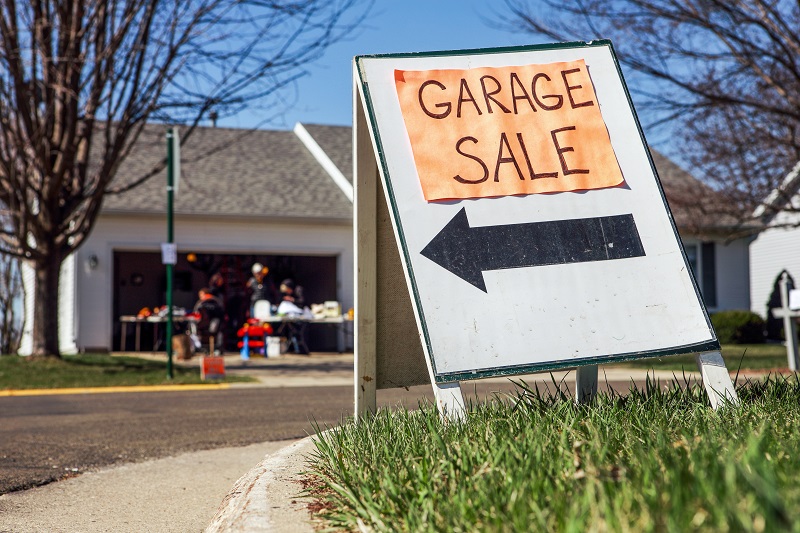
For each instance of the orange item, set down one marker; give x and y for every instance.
(212, 367)
(251, 343)
(516, 130)
(254, 331)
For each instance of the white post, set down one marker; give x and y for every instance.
(716, 379)
(585, 383)
(789, 325)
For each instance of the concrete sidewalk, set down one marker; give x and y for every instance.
(320, 369)
(177, 494)
(289, 370)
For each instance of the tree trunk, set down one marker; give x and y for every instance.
(45, 312)
(10, 292)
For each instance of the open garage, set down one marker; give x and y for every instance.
(140, 283)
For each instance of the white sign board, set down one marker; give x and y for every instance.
(794, 299)
(532, 228)
(169, 253)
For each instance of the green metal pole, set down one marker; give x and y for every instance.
(170, 237)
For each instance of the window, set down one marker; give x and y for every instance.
(702, 260)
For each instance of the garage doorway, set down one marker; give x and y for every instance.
(140, 282)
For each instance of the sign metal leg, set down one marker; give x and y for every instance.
(716, 379)
(585, 384)
(449, 401)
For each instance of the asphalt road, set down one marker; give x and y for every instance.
(49, 438)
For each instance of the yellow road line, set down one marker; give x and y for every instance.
(105, 390)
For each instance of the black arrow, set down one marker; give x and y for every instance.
(467, 252)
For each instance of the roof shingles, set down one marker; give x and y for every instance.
(230, 172)
(337, 143)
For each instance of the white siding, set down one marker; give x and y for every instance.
(95, 290)
(773, 250)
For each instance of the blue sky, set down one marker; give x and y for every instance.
(325, 94)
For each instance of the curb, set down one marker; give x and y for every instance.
(267, 498)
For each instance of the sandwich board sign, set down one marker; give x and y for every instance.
(519, 225)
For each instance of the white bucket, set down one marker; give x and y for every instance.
(273, 346)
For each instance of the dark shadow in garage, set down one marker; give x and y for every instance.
(140, 282)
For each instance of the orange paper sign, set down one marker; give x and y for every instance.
(212, 367)
(486, 132)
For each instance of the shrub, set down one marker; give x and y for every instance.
(738, 327)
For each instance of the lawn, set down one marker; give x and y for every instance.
(92, 370)
(651, 460)
(736, 356)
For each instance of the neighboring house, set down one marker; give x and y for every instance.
(720, 263)
(778, 247)
(245, 196)
(284, 199)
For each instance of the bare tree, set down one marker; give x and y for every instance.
(10, 301)
(80, 78)
(720, 79)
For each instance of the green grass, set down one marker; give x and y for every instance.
(92, 370)
(653, 460)
(736, 356)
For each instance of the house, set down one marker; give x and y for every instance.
(719, 262)
(273, 197)
(776, 248)
(283, 199)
